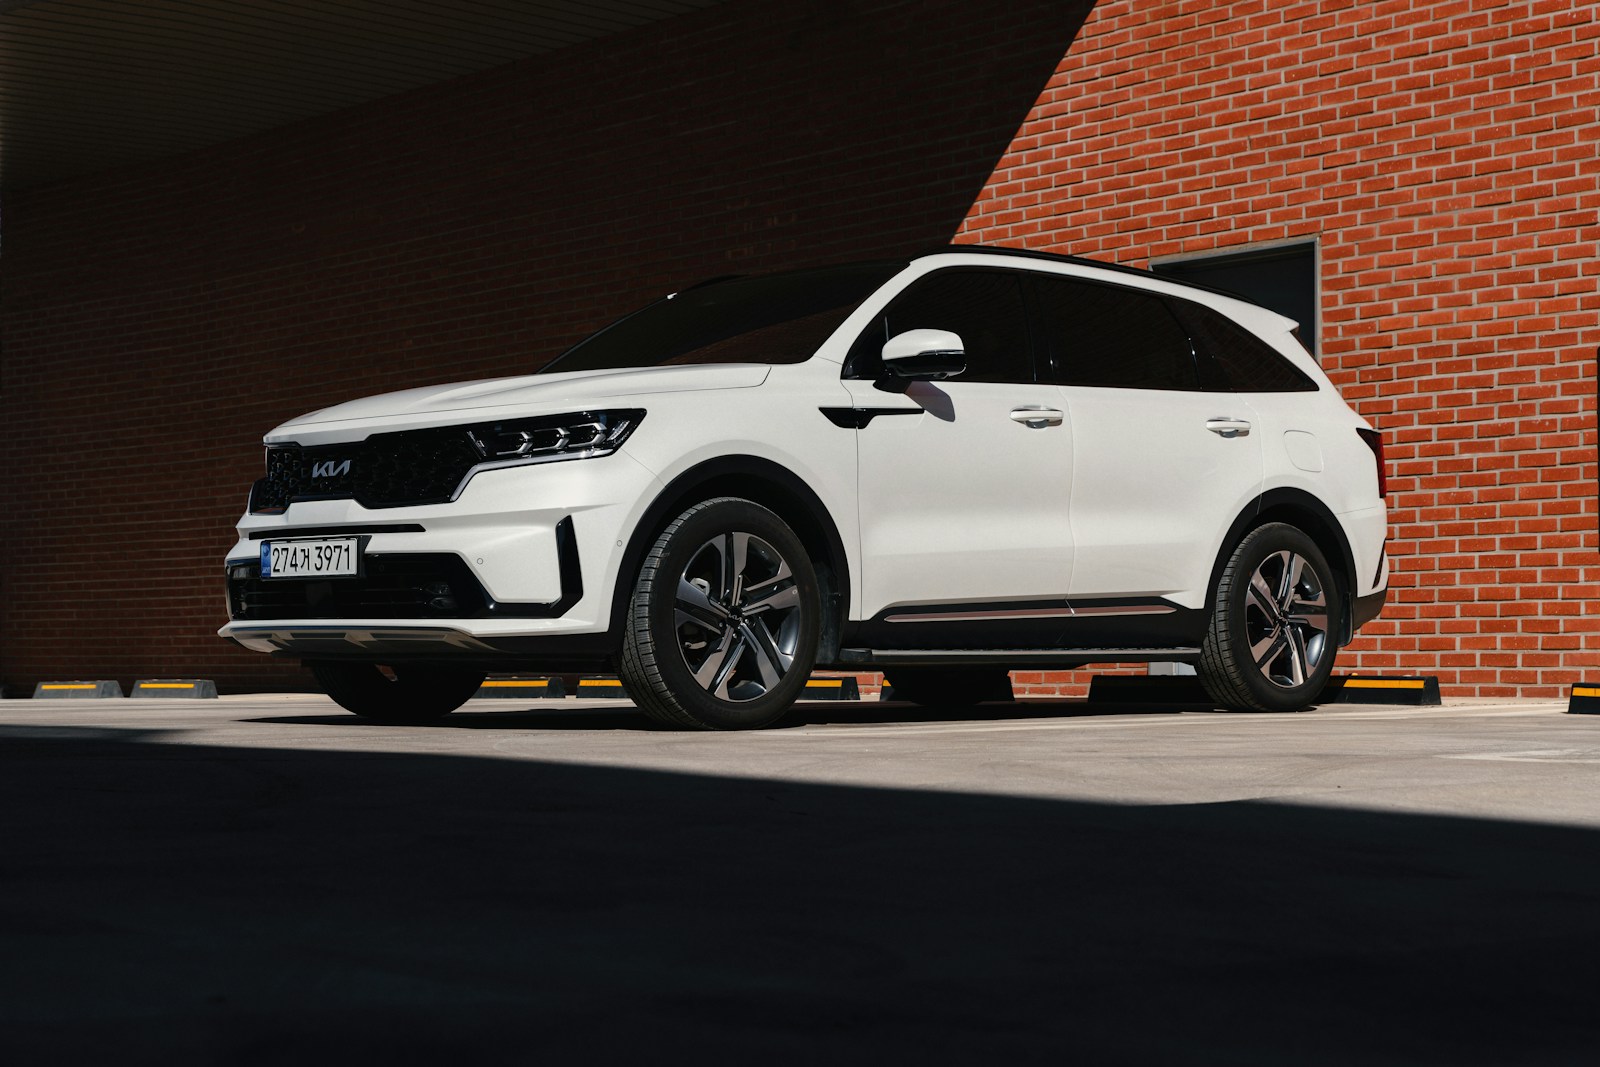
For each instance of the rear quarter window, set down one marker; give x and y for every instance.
(1234, 360)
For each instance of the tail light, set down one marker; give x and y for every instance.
(1374, 441)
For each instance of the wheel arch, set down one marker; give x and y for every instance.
(775, 488)
(1299, 509)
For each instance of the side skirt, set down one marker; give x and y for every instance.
(1034, 626)
(1015, 658)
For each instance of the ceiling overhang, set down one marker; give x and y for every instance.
(88, 85)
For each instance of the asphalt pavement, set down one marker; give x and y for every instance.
(260, 880)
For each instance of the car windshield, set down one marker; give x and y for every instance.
(774, 318)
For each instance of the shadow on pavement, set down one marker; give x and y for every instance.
(175, 903)
(843, 713)
(553, 717)
(563, 716)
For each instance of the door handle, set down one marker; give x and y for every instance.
(1037, 417)
(1230, 428)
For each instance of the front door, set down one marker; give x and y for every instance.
(964, 483)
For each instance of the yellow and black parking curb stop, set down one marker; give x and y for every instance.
(600, 686)
(1148, 689)
(507, 687)
(1417, 690)
(98, 690)
(1585, 699)
(180, 688)
(832, 689)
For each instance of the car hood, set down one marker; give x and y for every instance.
(438, 405)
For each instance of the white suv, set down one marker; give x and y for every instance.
(975, 461)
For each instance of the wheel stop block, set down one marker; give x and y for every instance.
(1416, 691)
(1585, 699)
(1002, 692)
(176, 688)
(831, 689)
(600, 686)
(1148, 689)
(514, 687)
(97, 690)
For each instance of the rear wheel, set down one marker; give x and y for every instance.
(722, 633)
(415, 693)
(950, 686)
(1273, 633)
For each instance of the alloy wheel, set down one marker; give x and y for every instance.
(1286, 619)
(737, 616)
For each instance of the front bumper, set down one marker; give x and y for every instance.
(525, 554)
(399, 642)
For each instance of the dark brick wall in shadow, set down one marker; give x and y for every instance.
(157, 321)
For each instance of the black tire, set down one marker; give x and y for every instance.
(949, 686)
(1274, 630)
(416, 694)
(722, 629)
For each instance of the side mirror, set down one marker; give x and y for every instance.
(924, 355)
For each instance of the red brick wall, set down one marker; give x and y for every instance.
(157, 321)
(1443, 154)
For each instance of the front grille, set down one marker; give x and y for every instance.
(417, 586)
(385, 471)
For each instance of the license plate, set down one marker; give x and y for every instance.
(325, 557)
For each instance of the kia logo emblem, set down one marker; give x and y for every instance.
(330, 468)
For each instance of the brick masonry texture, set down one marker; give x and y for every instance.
(158, 320)
(1442, 153)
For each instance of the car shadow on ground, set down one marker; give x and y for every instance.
(563, 716)
(518, 718)
(166, 902)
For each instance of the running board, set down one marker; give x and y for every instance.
(1015, 658)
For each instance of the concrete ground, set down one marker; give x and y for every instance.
(265, 879)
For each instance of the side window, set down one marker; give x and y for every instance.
(1281, 277)
(1109, 336)
(983, 306)
(1240, 361)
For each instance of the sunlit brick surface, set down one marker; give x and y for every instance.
(1444, 156)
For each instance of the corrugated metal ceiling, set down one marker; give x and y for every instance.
(91, 84)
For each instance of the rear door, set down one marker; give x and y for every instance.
(1161, 467)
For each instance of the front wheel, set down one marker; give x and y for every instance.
(722, 631)
(1273, 633)
(416, 693)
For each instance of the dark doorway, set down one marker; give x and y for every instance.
(1282, 278)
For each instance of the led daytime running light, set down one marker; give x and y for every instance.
(586, 434)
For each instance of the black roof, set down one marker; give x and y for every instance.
(1024, 253)
(1084, 261)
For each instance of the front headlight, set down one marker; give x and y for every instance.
(582, 435)
(412, 467)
